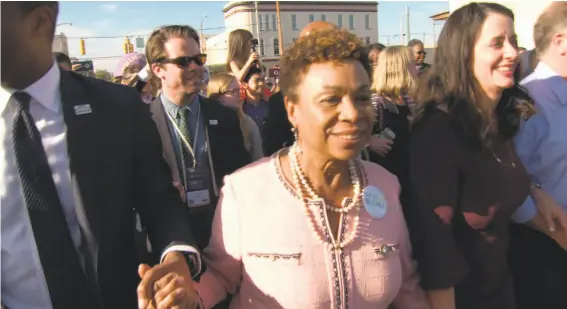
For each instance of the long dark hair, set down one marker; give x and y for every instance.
(451, 82)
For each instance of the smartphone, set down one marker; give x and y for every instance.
(388, 134)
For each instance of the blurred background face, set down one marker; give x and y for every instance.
(255, 84)
(496, 54)
(373, 56)
(231, 97)
(176, 78)
(334, 114)
(418, 54)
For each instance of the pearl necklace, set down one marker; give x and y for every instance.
(301, 184)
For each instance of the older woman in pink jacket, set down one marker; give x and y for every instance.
(311, 227)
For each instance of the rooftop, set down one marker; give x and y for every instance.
(440, 16)
(232, 4)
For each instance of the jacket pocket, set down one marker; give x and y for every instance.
(287, 258)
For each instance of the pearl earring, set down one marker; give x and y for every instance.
(296, 138)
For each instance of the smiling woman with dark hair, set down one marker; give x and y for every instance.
(465, 173)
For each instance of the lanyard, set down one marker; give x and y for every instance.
(184, 139)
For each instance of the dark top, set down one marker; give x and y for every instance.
(259, 113)
(423, 68)
(394, 117)
(278, 128)
(116, 166)
(462, 206)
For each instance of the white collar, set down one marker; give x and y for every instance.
(45, 91)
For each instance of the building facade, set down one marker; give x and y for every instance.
(361, 18)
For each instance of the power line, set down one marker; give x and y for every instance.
(209, 49)
(148, 34)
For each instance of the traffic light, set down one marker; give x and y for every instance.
(82, 50)
(130, 48)
(127, 46)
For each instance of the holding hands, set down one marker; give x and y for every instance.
(167, 285)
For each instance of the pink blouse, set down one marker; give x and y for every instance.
(263, 251)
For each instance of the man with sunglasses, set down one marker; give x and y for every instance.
(419, 53)
(202, 140)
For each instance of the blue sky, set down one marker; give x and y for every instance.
(101, 19)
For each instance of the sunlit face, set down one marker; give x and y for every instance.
(231, 97)
(496, 54)
(418, 54)
(333, 113)
(255, 85)
(177, 78)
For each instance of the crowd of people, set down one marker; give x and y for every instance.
(366, 178)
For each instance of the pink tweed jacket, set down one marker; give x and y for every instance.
(263, 251)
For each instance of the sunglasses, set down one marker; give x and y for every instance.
(422, 52)
(184, 62)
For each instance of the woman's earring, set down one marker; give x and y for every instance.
(296, 138)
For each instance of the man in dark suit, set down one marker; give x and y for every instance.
(202, 140)
(79, 155)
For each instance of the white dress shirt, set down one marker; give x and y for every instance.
(23, 282)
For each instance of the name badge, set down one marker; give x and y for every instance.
(198, 198)
(82, 109)
(375, 202)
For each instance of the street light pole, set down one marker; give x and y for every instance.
(203, 41)
(280, 33)
(63, 24)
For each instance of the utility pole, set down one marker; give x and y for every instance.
(423, 40)
(408, 22)
(260, 41)
(434, 35)
(280, 34)
(402, 31)
(378, 22)
(203, 41)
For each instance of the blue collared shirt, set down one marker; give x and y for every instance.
(542, 141)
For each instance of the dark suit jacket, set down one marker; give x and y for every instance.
(116, 165)
(226, 144)
(278, 129)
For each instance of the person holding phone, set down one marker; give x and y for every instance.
(393, 82)
(241, 53)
